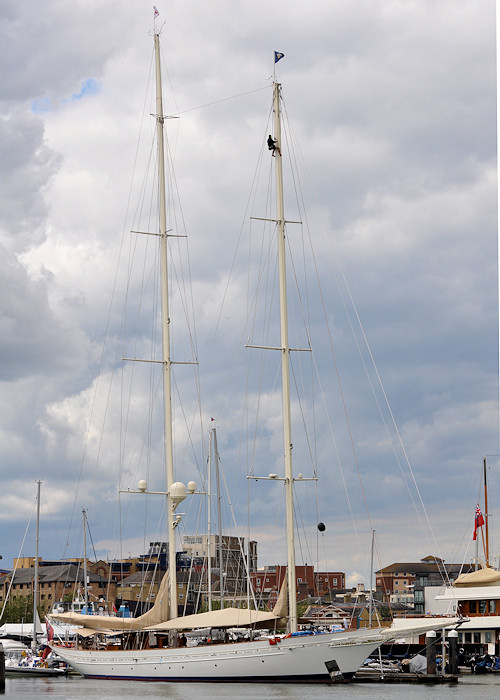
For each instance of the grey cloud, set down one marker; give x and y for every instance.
(27, 167)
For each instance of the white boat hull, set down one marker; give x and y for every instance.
(38, 671)
(314, 658)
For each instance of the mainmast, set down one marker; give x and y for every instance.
(35, 581)
(166, 359)
(85, 575)
(209, 523)
(285, 366)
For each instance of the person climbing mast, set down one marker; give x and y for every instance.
(273, 146)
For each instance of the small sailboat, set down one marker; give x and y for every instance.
(292, 657)
(19, 658)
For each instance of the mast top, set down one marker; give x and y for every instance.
(277, 57)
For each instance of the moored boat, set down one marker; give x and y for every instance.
(147, 647)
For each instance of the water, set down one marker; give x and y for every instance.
(78, 688)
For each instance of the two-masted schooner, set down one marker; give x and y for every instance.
(291, 657)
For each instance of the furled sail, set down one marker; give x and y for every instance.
(160, 612)
(481, 577)
(227, 617)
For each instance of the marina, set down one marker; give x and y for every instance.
(148, 647)
(189, 626)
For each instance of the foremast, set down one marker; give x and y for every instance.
(285, 365)
(165, 324)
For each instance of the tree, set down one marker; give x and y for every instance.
(302, 607)
(20, 609)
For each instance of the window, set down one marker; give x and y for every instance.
(492, 606)
(477, 637)
(334, 581)
(482, 606)
(258, 581)
(487, 637)
(472, 606)
(468, 637)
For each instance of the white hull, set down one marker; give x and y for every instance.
(306, 659)
(38, 671)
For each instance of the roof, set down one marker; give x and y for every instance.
(433, 558)
(142, 577)
(70, 573)
(480, 592)
(352, 609)
(419, 567)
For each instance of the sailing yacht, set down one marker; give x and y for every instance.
(295, 657)
(19, 659)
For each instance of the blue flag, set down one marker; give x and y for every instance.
(278, 56)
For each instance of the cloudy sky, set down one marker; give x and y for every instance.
(392, 107)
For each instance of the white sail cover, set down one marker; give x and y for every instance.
(158, 618)
(481, 577)
(160, 612)
(227, 617)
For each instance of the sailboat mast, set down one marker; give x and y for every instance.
(487, 543)
(85, 575)
(219, 521)
(285, 366)
(370, 613)
(209, 522)
(35, 582)
(167, 364)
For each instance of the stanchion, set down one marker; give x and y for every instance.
(453, 651)
(430, 643)
(2, 669)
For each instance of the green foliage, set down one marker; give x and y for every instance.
(20, 609)
(215, 605)
(384, 611)
(302, 607)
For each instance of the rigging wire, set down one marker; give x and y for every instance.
(11, 582)
(107, 329)
(224, 99)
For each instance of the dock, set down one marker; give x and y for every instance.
(371, 676)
